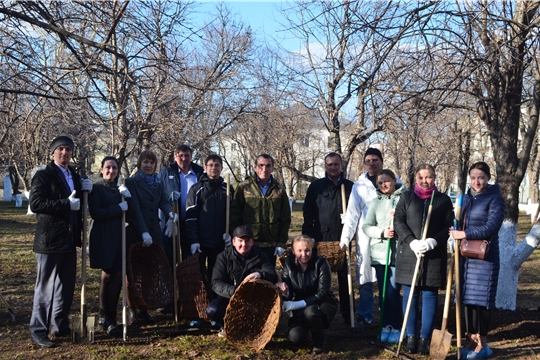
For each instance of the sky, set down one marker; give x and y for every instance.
(262, 16)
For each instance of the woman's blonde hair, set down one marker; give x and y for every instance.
(307, 239)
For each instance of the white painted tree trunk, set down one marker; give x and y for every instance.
(512, 257)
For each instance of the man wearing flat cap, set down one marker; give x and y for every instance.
(239, 262)
(54, 198)
(363, 192)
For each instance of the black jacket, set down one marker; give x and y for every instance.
(205, 212)
(106, 232)
(322, 209)
(58, 229)
(409, 217)
(229, 272)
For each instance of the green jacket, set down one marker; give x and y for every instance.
(377, 219)
(269, 216)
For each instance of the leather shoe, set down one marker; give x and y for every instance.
(63, 333)
(423, 346)
(411, 344)
(42, 342)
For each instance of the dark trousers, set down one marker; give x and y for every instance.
(209, 256)
(304, 320)
(185, 246)
(269, 251)
(217, 308)
(477, 319)
(343, 291)
(53, 293)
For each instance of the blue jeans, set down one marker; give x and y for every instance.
(393, 314)
(429, 309)
(365, 307)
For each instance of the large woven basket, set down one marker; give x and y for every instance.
(253, 314)
(194, 288)
(149, 276)
(333, 254)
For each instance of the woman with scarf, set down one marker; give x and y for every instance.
(482, 216)
(409, 222)
(148, 196)
(106, 208)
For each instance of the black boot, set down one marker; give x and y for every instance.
(132, 317)
(101, 320)
(145, 315)
(411, 344)
(423, 346)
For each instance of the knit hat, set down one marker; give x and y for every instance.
(62, 141)
(243, 231)
(373, 151)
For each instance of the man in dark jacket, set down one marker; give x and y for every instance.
(323, 211)
(263, 204)
(239, 262)
(206, 213)
(54, 198)
(178, 178)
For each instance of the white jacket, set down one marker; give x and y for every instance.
(362, 194)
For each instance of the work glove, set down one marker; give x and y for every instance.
(74, 203)
(418, 246)
(86, 185)
(146, 239)
(342, 217)
(279, 251)
(451, 244)
(431, 244)
(195, 248)
(173, 217)
(344, 243)
(170, 228)
(124, 191)
(293, 305)
(123, 205)
(175, 196)
(227, 239)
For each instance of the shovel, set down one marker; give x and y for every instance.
(83, 326)
(124, 277)
(441, 339)
(458, 286)
(175, 238)
(348, 255)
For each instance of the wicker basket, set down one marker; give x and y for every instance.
(253, 314)
(194, 288)
(149, 276)
(333, 254)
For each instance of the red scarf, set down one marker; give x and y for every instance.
(424, 194)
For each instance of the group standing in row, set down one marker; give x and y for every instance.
(386, 220)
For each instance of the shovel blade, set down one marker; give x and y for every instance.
(76, 329)
(440, 344)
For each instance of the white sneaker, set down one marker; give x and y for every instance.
(221, 333)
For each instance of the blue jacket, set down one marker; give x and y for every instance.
(483, 215)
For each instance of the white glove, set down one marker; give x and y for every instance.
(175, 196)
(124, 191)
(74, 203)
(279, 251)
(123, 205)
(195, 248)
(86, 185)
(342, 217)
(418, 246)
(147, 239)
(170, 228)
(344, 243)
(451, 244)
(431, 244)
(227, 239)
(293, 305)
(173, 217)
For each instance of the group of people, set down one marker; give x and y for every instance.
(387, 220)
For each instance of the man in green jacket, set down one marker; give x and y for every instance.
(262, 204)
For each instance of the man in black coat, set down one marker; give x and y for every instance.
(239, 262)
(322, 216)
(54, 198)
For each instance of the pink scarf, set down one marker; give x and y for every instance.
(424, 194)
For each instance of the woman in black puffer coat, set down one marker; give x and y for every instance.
(482, 215)
(306, 285)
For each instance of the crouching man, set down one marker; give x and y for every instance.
(239, 262)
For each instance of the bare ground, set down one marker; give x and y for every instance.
(514, 334)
